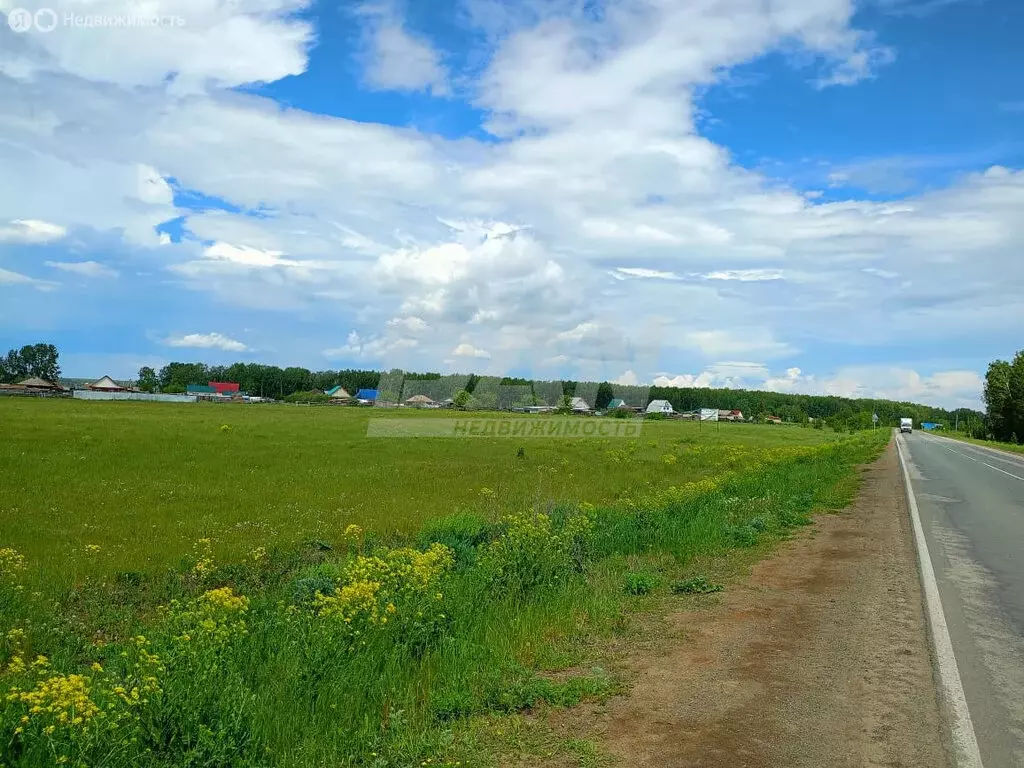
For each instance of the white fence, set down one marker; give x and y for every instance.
(88, 394)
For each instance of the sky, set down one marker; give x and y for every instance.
(818, 196)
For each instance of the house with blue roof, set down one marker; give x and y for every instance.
(367, 395)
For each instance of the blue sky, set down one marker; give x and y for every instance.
(808, 195)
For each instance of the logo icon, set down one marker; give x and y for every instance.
(46, 19)
(20, 20)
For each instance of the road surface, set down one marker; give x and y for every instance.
(971, 503)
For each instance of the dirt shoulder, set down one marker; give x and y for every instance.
(820, 658)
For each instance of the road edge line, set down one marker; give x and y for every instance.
(965, 742)
(1010, 457)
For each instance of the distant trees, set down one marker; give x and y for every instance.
(605, 394)
(148, 382)
(264, 380)
(474, 392)
(1004, 399)
(40, 360)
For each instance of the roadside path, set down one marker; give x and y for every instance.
(820, 658)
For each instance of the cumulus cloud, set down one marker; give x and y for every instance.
(30, 231)
(10, 278)
(373, 348)
(395, 58)
(84, 268)
(228, 42)
(206, 341)
(603, 232)
(949, 388)
(468, 350)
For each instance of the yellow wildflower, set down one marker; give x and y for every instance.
(64, 698)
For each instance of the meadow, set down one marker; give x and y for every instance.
(143, 481)
(266, 586)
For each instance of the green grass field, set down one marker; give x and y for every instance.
(144, 481)
(288, 593)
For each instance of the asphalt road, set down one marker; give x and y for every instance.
(971, 502)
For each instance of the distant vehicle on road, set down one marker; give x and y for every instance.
(906, 425)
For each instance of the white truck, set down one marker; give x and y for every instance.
(906, 425)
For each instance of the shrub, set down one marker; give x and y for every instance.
(534, 551)
(463, 534)
(640, 582)
(743, 535)
(307, 397)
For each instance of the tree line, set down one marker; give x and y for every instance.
(496, 392)
(32, 360)
(1003, 395)
(1004, 399)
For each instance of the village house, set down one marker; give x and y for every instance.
(579, 405)
(33, 385)
(421, 401)
(106, 384)
(659, 406)
(338, 394)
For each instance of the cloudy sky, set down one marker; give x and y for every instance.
(802, 195)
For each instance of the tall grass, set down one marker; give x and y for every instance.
(374, 652)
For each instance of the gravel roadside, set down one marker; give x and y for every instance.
(820, 658)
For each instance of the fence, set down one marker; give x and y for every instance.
(86, 394)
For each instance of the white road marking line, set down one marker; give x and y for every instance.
(992, 453)
(984, 463)
(965, 742)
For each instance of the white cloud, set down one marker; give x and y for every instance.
(649, 274)
(395, 58)
(408, 324)
(206, 341)
(7, 277)
(31, 231)
(739, 342)
(746, 275)
(883, 273)
(250, 257)
(792, 380)
(627, 379)
(227, 42)
(951, 389)
(376, 348)
(84, 268)
(468, 350)
(860, 64)
(375, 227)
